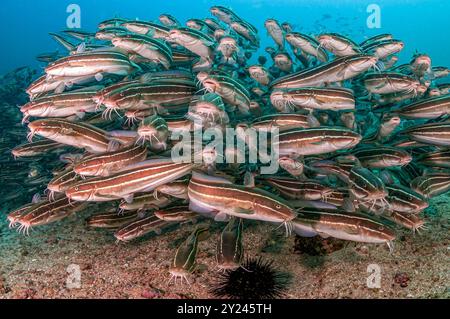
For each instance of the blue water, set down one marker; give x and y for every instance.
(422, 24)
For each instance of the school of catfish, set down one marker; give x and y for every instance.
(362, 139)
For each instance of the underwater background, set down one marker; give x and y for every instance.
(422, 24)
(68, 259)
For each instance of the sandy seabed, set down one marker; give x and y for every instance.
(37, 266)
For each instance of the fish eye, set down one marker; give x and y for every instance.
(77, 189)
(277, 206)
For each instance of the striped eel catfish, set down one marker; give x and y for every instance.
(382, 156)
(107, 163)
(215, 195)
(260, 74)
(163, 97)
(61, 105)
(208, 110)
(62, 182)
(154, 30)
(410, 221)
(107, 34)
(151, 49)
(314, 141)
(338, 167)
(232, 91)
(275, 31)
(92, 63)
(168, 20)
(404, 200)
(247, 31)
(383, 49)
(334, 99)
(176, 214)
(136, 116)
(195, 41)
(112, 220)
(35, 148)
(392, 82)
(101, 95)
(367, 187)
(292, 166)
(140, 177)
(145, 201)
(435, 159)
(337, 197)
(432, 184)
(56, 84)
(284, 62)
(230, 250)
(114, 22)
(389, 123)
(291, 188)
(284, 122)
(64, 42)
(212, 23)
(224, 14)
(13, 217)
(342, 225)
(177, 189)
(338, 44)
(307, 44)
(153, 129)
(79, 135)
(431, 108)
(432, 133)
(184, 261)
(182, 57)
(440, 71)
(141, 227)
(47, 212)
(338, 70)
(200, 25)
(420, 65)
(80, 34)
(375, 38)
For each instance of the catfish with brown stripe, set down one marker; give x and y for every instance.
(140, 177)
(219, 197)
(107, 163)
(79, 135)
(342, 225)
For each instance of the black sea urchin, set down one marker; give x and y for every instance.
(256, 279)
